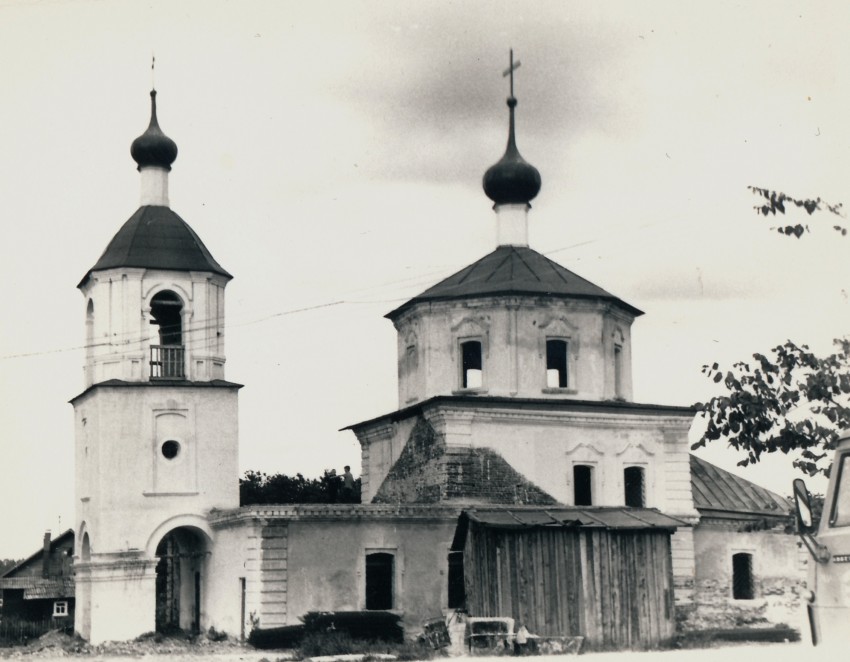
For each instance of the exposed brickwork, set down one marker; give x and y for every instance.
(778, 575)
(428, 472)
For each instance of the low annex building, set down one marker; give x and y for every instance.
(750, 566)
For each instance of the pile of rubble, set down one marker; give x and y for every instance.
(57, 644)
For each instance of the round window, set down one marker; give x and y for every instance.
(170, 449)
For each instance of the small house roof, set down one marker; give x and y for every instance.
(518, 517)
(11, 572)
(715, 489)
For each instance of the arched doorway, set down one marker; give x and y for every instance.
(181, 561)
(167, 357)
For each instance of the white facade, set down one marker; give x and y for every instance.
(156, 439)
(120, 328)
(513, 332)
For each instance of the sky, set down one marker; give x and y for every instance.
(331, 155)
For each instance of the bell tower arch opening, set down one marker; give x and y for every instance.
(180, 571)
(167, 358)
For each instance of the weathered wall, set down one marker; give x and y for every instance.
(119, 338)
(427, 472)
(126, 488)
(318, 564)
(778, 571)
(513, 332)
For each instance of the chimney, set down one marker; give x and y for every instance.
(45, 555)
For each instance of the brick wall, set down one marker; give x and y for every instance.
(427, 472)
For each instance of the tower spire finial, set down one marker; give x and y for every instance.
(512, 180)
(153, 72)
(510, 71)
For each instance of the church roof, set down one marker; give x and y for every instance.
(157, 238)
(514, 270)
(718, 490)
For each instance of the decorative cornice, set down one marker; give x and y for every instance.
(331, 511)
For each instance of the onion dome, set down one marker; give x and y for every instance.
(512, 180)
(153, 148)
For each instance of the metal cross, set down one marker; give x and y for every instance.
(153, 72)
(510, 70)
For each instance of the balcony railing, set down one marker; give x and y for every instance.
(167, 362)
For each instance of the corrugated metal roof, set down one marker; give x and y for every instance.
(716, 489)
(514, 270)
(518, 517)
(608, 518)
(157, 238)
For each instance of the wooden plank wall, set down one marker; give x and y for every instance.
(613, 587)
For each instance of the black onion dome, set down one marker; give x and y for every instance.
(512, 180)
(153, 147)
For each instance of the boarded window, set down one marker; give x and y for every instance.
(556, 363)
(618, 371)
(742, 576)
(633, 480)
(379, 580)
(457, 592)
(582, 485)
(471, 365)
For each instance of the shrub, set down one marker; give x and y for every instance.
(362, 625)
(288, 636)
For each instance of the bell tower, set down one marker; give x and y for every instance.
(156, 426)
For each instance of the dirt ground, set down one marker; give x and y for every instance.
(61, 649)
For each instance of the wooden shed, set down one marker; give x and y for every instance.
(601, 573)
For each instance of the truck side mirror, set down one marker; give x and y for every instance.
(803, 507)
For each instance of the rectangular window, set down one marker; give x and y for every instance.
(471, 364)
(556, 363)
(840, 513)
(380, 568)
(742, 576)
(582, 485)
(60, 608)
(633, 481)
(457, 590)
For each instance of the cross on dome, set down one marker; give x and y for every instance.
(512, 180)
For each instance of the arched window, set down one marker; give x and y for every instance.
(85, 548)
(618, 371)
(167, 356)
(166, 309)
(89, 332)
(633, 482)
(742, 576)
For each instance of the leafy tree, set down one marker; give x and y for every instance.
(775, 201)
(259, 488)
(789, 399)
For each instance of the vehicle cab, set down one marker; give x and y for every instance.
(828, 543)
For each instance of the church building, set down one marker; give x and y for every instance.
(517, 478)
(156, 426)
